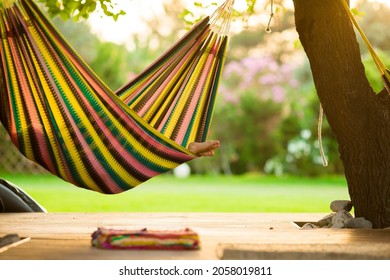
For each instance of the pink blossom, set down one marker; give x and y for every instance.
(278, 93)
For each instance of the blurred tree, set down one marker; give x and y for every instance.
(250, 110)
(84, 43)
(374, 19)
(357, 116)
(108, 60)
(163, 30)
(111, 64)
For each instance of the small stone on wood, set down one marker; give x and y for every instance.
(338, 205)
(341, 216)
(338, 225)
(326, 221)
(8, 239)
(309, 226)
(358, 223)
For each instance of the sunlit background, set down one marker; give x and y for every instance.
(138, 13)
(267, 110)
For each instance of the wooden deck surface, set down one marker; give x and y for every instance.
(67, 236)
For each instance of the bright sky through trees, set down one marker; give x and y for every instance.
(134, 20)
(138, 10)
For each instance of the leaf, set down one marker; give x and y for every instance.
(198, 4)
(77, 9)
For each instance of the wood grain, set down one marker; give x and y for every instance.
(223, 235)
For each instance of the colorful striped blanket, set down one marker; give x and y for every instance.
(145, 239)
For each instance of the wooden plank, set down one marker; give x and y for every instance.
(14, 244)
(363, 251)
(222, 235)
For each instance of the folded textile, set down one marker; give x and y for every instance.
(144, 239)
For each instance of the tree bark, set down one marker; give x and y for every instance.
(359, 118)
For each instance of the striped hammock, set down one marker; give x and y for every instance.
(60, 115)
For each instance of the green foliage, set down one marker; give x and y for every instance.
(301, 155)
(251, 6)
(111, 64)
(195, 13)
(373, 17)
(84, 42)
(108, 60)
(372, 71)
(250, 111)
(80, 9)
(244, 129)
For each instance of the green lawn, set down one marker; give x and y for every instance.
(194, 194)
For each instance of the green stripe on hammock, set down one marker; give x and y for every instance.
(61, 115)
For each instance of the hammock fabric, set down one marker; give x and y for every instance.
(60, 115)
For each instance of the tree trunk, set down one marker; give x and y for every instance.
(359, 118)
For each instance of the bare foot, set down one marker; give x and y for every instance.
(202, 149)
